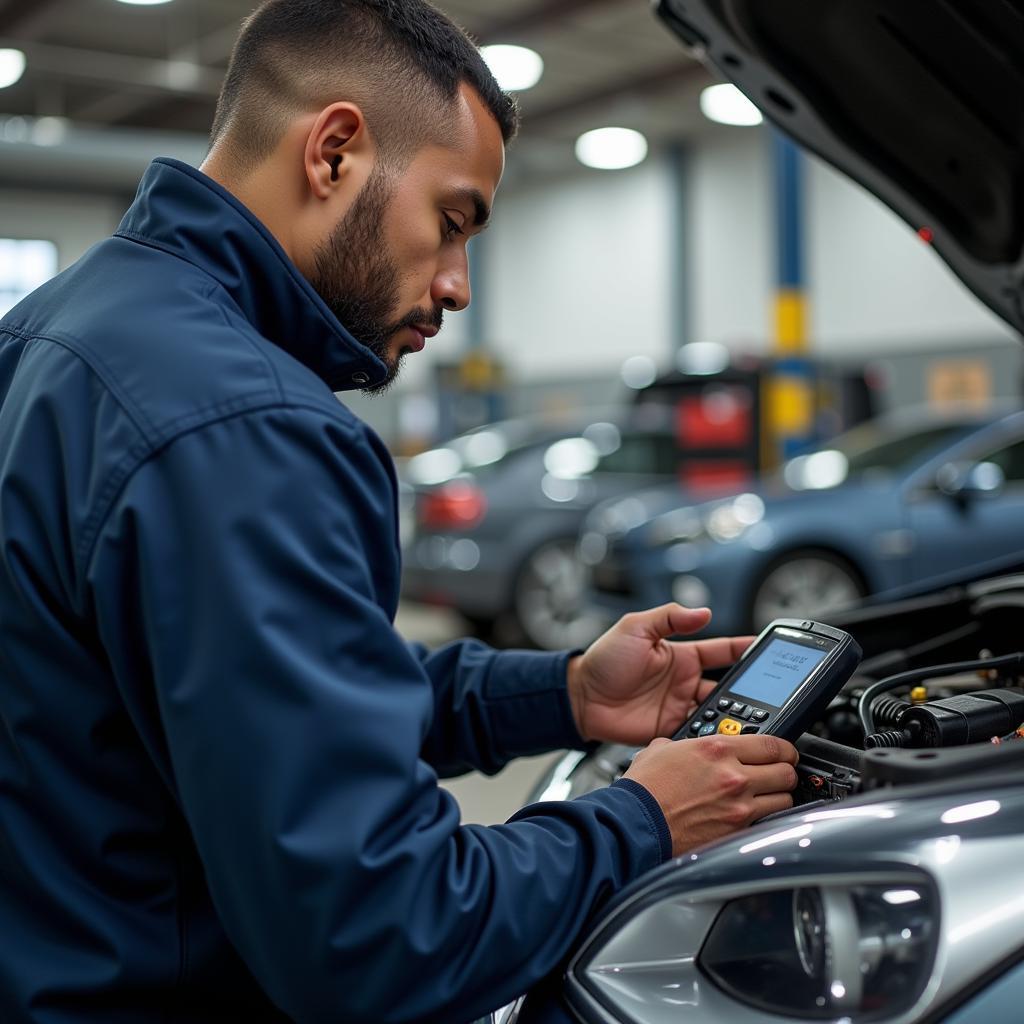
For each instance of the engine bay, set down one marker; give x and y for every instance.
(939, 694)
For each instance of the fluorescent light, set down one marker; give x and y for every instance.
(727, 105)
(639, 372)
(702, 357)
(144, 3)
(516, 68)
(12, 67)
(49, 131)
(611, 149)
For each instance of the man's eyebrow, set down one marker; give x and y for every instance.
(476, 198)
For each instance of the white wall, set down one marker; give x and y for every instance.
(730, 247)
(72, 222)
(874, 283)
(578, 272)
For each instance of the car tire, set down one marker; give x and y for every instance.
(480, 627)
(548, 608)
(809, 583)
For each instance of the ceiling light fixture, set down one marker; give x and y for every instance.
(516, 68)
(12, 67)
(144, 3)
(725, 104)
(611, 149)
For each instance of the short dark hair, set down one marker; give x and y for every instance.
(402, 61)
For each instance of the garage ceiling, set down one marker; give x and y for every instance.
(112, 65)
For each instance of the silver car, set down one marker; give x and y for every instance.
(887, 895)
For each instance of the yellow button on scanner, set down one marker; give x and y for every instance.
(730, 727)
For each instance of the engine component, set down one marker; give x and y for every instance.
(953, 721)
(1010, 662)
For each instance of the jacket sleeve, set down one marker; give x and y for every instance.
(234, 583)
(493, 706)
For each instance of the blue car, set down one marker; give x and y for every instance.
(898, 500)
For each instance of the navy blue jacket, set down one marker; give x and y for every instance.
(218, 760)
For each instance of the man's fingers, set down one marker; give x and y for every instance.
(722, 650)
(771, 804)
(772, 778)
(763, 750)
(672, 619)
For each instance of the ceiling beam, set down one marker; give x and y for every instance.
(118, 107)
(23, 18)
(181, 78)
(217, 46)
(667, 76)
(540, 16)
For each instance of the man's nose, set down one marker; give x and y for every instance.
(451, 289)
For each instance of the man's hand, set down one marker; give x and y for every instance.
(632, 684)
(713, 786)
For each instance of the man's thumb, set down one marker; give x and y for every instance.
(673, 619)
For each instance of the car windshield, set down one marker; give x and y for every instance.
(873, 448)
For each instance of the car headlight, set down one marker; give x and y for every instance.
(722, 522)
(681, 524)
(851, 948)
(824, 951)
(731, 520)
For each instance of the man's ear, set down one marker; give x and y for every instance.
(336, 143)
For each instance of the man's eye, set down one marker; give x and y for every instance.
(451, 228)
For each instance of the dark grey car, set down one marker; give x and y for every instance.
(491, 518)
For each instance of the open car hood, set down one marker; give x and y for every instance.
(921, 101)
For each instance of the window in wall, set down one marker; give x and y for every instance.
(25, 264)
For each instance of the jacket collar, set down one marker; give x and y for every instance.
(182, 211)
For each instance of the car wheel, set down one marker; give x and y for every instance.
(548, 599)
(805, 584)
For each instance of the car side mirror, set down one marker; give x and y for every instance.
(967, 483)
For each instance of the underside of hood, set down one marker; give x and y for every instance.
(921, 101)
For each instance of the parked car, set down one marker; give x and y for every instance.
(492, 517)
(899, 499)
(888, 895)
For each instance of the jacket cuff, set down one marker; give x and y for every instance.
(655, 815)
(528, 702)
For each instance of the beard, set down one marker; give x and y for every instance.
(359, 281)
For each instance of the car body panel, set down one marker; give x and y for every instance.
(1001, 1000)
(959, 836)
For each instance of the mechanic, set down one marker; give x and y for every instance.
(218, 760)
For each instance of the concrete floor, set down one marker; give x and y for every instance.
(483, 800)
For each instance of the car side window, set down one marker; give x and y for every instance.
(650, 454)
(1010, 460)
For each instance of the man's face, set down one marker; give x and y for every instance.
(398, 258)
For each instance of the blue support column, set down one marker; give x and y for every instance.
(791, 412)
